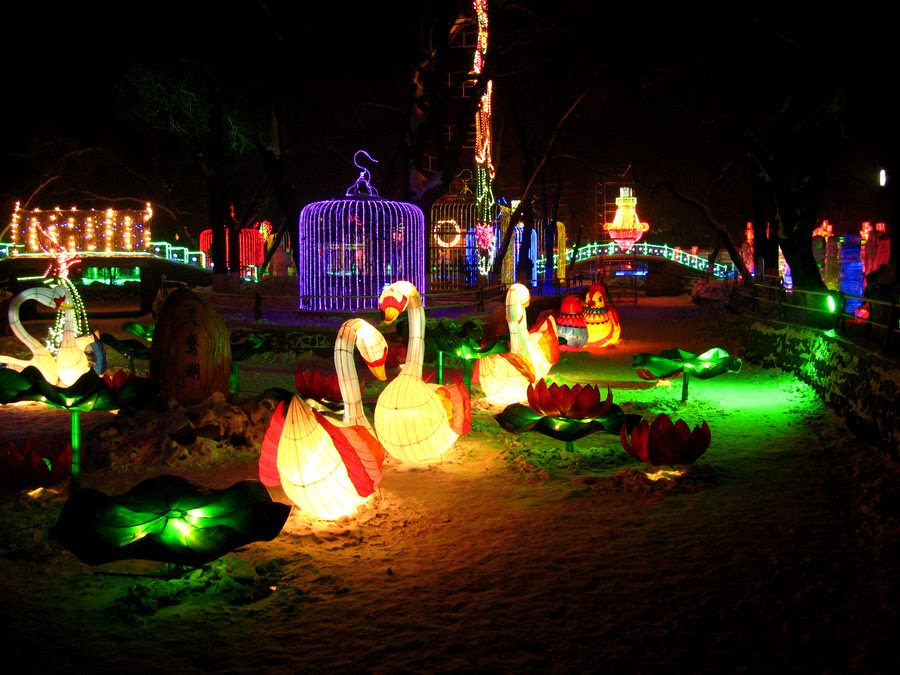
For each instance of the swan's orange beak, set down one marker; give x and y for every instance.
(64, 306)
(391, 306)
(390, 314)
(378, 371)
(378, 367)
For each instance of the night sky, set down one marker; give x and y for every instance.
(672, 88)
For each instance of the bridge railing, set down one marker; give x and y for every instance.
(596, 250)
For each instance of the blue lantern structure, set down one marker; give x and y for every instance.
(351, 248)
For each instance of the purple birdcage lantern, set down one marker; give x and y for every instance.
(353, 247)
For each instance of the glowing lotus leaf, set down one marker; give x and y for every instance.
(577, 402)
(89, 392)
(168, 519)
(673, 362)
(662, 443)
(38, 463)
(464, 342)
(143, 332)
(517, 418)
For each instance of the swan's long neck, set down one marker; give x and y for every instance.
(415, 348)
(348, 378)
(515, 320)
(43, 296)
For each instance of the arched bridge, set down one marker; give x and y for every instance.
(610, 251)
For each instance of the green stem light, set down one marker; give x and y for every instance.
(76, 449)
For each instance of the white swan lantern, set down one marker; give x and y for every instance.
(330, 467)
(504, 378)
(417, 421)
(70, 362)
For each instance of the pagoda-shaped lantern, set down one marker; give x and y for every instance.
(626, 229)
(351, 248)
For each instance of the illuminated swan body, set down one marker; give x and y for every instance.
(328, 467)
(504, 378)
(417, 421)
(70, 362)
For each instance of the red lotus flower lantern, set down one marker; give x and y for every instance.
(662, 443)
(578, 402)
(565, 413)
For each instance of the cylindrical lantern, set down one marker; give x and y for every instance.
(453, 256)
(350, 249)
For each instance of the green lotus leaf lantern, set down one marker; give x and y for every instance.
(463, 342)
(673, 362)
(168, 519)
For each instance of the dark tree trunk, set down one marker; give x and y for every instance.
(213, 165)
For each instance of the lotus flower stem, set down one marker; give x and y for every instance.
(440, 367)
(570, 446)
(76, 449)
(684, 386)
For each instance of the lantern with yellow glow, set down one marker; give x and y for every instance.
(330, 467)
(504, 378)
(417, 421)
(70, 361)
(626, 229)
(601, 317)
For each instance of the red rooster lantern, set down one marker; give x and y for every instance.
(601, 317)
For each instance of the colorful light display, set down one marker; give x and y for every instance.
(455, 242)
(318, 464)
(571, 323)
(626, 228)
(82, 230)
(486, 240)
(417, 421)
(352, 248)
(251, 243)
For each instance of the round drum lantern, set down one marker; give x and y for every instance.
(350, 249)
